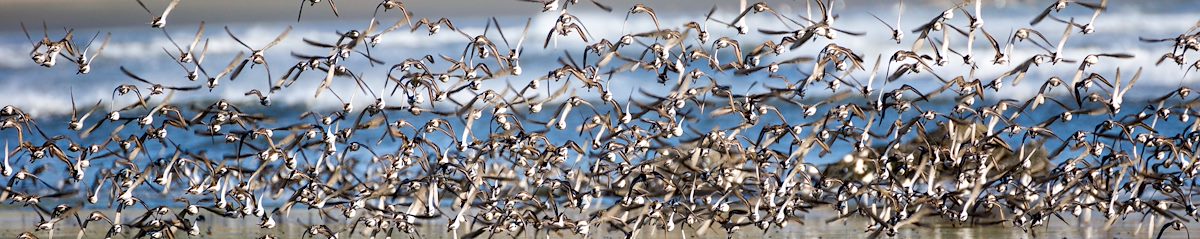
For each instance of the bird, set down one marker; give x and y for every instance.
(897, 34)
(434, 26)
(82, 59)
(300, 13)
(642, 8)
(1059, 5)
(187, 56)
(257, 55)
(159, 21)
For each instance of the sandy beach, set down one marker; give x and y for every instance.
(15, 222)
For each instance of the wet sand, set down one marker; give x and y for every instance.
(14, 222)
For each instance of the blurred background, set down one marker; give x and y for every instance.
(135, 45)
(116, 13)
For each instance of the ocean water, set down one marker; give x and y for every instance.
(42, 92)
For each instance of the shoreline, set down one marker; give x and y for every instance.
(15, 222)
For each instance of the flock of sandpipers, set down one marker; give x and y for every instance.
(375, 171)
